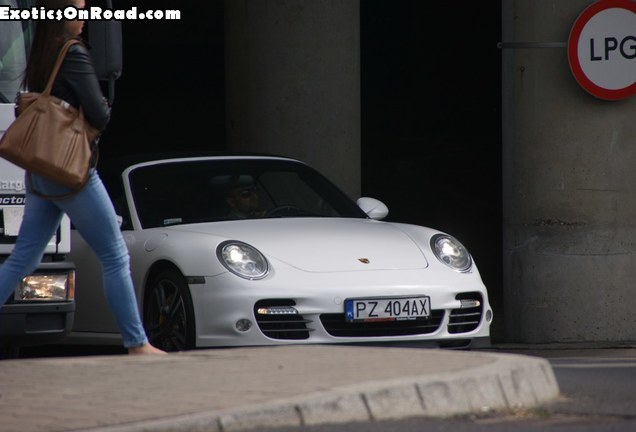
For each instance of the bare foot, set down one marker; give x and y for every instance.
(145, 349)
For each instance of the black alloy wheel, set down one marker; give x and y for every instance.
(168, 312)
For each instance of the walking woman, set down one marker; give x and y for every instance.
(90, 209)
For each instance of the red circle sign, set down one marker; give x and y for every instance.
(602, 49)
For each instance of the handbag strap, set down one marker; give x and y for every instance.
(47, 91)
(58, 64)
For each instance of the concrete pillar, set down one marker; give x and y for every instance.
(569, 189)
(293, 82)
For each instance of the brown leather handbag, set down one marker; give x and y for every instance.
(49, 137)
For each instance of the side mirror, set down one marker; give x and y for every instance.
(374, 208)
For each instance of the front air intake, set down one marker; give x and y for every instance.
(468, 317)
(336, 325)
(278, 319)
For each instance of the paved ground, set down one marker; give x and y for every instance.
(237, 389)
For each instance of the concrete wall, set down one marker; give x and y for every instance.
(568, 159)
(569, 189)
(293, 82)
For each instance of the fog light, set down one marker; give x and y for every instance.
(489, 315)
(243, 325)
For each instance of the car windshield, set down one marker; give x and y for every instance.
(179, 192)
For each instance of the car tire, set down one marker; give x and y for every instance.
(168, 312)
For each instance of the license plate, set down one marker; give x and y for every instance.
(387, 309)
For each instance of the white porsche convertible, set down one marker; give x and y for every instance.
(259, 250)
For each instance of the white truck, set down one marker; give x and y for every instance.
(42, 308)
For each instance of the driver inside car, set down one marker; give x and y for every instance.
(243, 199)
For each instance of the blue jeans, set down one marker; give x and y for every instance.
(92, 214)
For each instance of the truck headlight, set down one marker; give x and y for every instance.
(46, 287)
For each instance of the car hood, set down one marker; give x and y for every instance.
(322, 244)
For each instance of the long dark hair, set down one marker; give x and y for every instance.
(49, 37)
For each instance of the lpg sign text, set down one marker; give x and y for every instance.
(602, 49)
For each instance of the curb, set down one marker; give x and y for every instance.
(509, 381)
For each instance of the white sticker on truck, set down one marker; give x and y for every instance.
(12, 219)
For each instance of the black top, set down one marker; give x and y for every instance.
(77, 84)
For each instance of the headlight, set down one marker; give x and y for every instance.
(242, 259)
(451, 252)
(46, 287)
